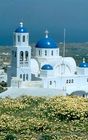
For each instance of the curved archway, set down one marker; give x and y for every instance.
(26, 55)
(21, 56)
(63, 68)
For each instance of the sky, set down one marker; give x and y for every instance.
(39, 15)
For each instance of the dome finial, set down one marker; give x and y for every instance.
(21, 24)
(83, 60)
(46, 33)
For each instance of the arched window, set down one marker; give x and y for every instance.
(26, 55)
(66, 81)
(21, 56)
(27, 77)
(50, 82)
(39, 52)
(45, 52)
(87, 79)
(23, 77)
(20, 75)
(23, 38)
(52, 52)
(18, 38)
(15, 54)
(72, 81)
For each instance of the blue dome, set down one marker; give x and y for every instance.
(83, 65)
(47, 67)
(46, 43)
(21, 29)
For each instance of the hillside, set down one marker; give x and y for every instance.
(40, 118)
(76, 50)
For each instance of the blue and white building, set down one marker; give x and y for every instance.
(47, 70)
(21, 57)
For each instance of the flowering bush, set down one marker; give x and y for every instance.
(41, 118)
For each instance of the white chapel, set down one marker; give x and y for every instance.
(47, 69)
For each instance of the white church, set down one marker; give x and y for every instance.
(47, 73)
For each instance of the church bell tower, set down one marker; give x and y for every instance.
(21, 55)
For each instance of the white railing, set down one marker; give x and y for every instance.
(23, 64)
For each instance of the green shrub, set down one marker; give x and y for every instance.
(10, 137)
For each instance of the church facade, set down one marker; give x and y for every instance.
(47, 69)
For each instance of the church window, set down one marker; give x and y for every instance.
(23, 77)
(50, 82)
(76, 72)
(15, 54)
(26, 55)
(20, 75)
(21, 56)
(52, 52)
(87, 79)
(70, 81)
(39, 52)
(23, 38)
(18, 38)
(45, 52)
(27, 77)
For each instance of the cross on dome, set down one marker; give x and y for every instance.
(21, 28)
(46, 33)
(21, 24)
(83, 60)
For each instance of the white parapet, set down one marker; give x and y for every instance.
(16, 82)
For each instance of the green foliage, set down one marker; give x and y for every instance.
(40, 118)
(10, 137)
(3, 84)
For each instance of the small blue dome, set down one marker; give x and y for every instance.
(47, 67)
(46, 42)
(83, 65)
(21, 29)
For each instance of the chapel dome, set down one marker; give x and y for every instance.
(83, 64)
(46, 42)
(21, 29)
(47, 67)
